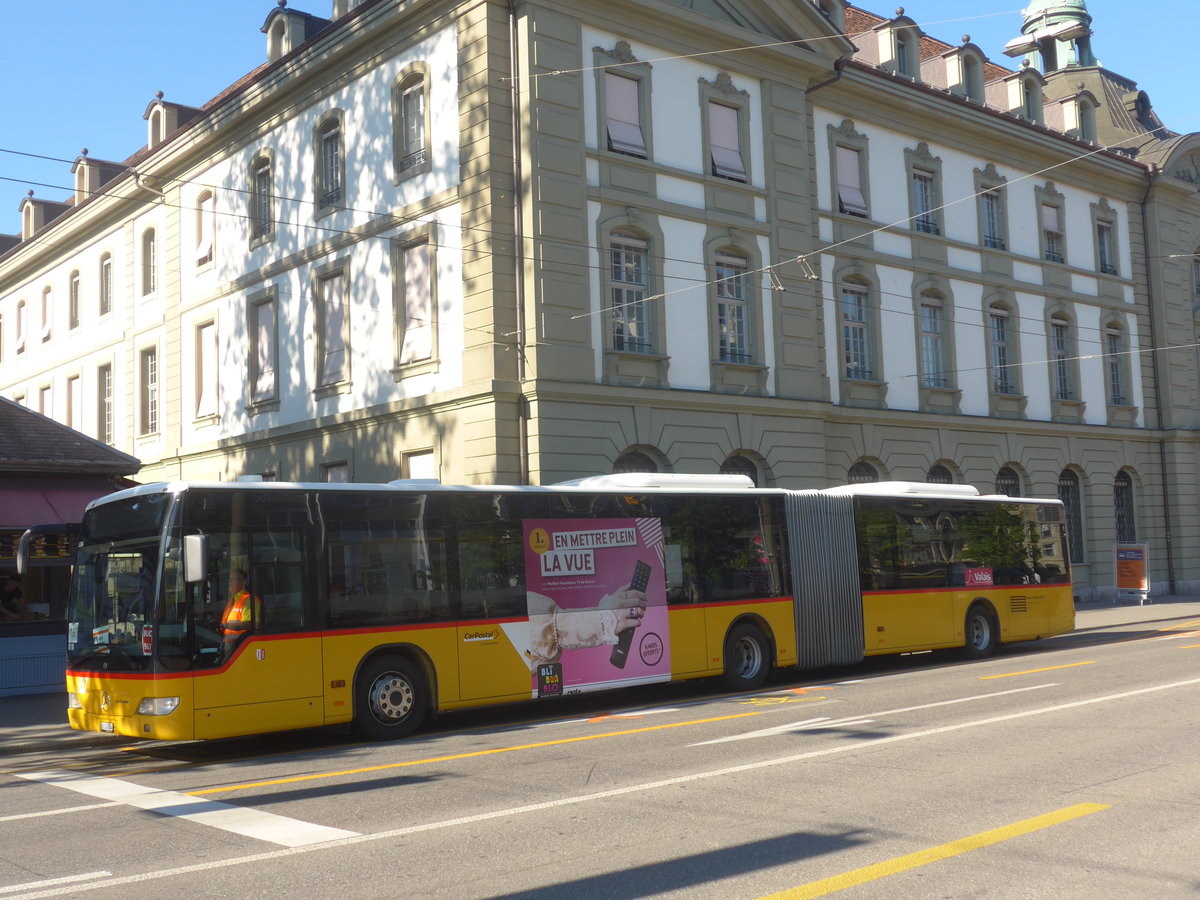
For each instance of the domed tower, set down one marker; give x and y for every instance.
(1056, 34)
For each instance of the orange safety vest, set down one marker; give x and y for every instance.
(238, 615)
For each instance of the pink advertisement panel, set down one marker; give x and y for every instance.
(596, 591)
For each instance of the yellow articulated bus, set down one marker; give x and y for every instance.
(216, 610)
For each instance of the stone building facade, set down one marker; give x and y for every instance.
(531, 241)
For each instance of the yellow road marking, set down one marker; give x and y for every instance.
(935, 854)
(1189, 646)
(1090, 662)
(474, 753)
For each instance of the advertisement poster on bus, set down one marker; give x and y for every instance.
(597, 604)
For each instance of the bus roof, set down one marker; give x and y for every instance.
(625, 482)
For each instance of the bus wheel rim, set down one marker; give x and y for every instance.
(746, 657)
(392, 698)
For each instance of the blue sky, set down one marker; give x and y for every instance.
(84, 80)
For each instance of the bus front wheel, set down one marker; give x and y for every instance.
(747, 658)
(979, 632)
(391, 699)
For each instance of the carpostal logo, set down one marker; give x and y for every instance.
(471, 637)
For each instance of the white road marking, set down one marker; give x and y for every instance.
(599, 795)
(49, 882)
(57, 812)
(810, 724)
(253, 823)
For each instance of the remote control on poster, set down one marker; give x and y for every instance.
(620, 653)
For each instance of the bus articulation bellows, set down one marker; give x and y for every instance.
(379, 605)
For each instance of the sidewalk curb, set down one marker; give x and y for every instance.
(63, 743)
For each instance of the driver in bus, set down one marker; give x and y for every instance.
(243, 611)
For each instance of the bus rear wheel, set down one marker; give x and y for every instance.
(391, 699)
(979, 633)
(747, 658)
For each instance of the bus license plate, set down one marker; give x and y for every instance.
(108, 727)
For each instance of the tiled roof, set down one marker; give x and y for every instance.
(31, 442)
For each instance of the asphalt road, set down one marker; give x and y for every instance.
(1066, 768)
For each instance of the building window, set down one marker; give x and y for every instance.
(991, 211)
(45, 401)
(1114, 365)
(335, 473)
(1052, 234)
(411, 123)
(862, 473)
(419, 464)
(263, 353)
(1069, 494)
(206, 213)
(416, 307)
(1001, 350)
(924, 172)
(740, 465)
(22, 325)
(333, 364)
(939, 474)
(148, 390)
(1061, 358)
(932, 319)
(106, 284)
(972, 71)
(74, 402)
(725, 141)
(1008, 482)
(629, 278)
(856, 334)
(623, 114)
(262, 199)
(1087, 120)
(47, 314)
(1106, 248)
(331, 171)
(1031, 100)
(634, 461)
(206, 370)
(1, 339)
(104, 404)
(149, 262)
(851, 199)
(733, 327)
(905, 61)
(1123, 508)
(73, 302)
(924, 204)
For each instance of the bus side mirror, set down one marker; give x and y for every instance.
(195, 558)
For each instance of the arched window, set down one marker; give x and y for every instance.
(1087, 120)
(633, 461)
(740, 465)
(972, 67)
(932, 319)
(731, 284)
(262, 198)
(857, 322)
(411, 123)
(1069, 494)
(1123, 508)
(106, 284)
(1008, 482)
(1002, 349)
(939, 474)
(206, 214)
(149, 262)
(330, 175)
(74, 300)
(862, 473)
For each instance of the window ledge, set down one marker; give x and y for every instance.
(417, 367)
(332, 390)
(262, 406)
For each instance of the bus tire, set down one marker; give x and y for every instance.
(391, 699)
(979, 633)
(747, 658)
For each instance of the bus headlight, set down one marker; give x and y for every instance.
(73, 702)
(157, 706)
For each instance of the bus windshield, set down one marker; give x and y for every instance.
(110, 622)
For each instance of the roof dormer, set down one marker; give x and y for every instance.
(833, 10)
(342, 7)
(37, 214)
(164, 119)
(92, 174)
(958, 70)
(1019, 93)
(1075, 115)
(900, 46)
(286, 29)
